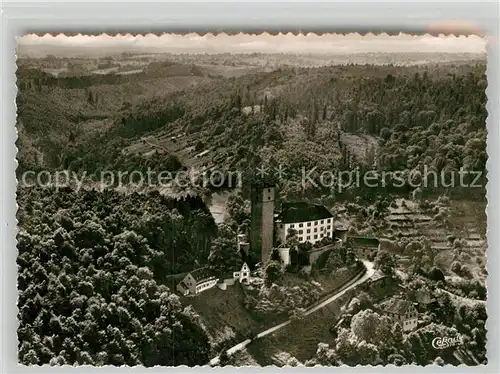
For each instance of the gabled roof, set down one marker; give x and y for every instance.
(202, 275)
(396, 306)
(228, 273)
(303, 212)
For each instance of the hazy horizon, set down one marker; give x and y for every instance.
(32, 45)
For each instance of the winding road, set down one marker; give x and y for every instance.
(238, 347)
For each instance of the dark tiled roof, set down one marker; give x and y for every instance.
(360, 241)
(396, 306)
(184, 285)
(202, 274)
(303, 212)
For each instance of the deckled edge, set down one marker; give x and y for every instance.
(489, 148)
(430, 31)
(16, 228)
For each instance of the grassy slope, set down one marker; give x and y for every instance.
(226, 318)
(224, 314)
(299, 339)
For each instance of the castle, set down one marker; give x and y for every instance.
(311, 223)
(270, 231)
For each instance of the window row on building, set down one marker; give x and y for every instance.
(205, 286)
(308, 238)
(312, 223)
(308, 231)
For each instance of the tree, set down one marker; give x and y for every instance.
(224, 358)
(292, 239)
(237, 209)
(370, 326)
(436, 275)
(345, 346)
(273, 272)
(397, 338)
(334, 261)
(421, 342)
(76, 303)
(292, 362)
(368, 354)
(325, 356)
(385, 262)
(224, 255)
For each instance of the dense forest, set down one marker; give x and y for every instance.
(431, 115)
(92, 270)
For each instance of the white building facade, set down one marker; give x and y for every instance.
(197, 281)
(311, 223)
(307, 231)
(401, 311)
(242, 274)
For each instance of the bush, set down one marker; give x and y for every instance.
(199, 146)
(461, 270)
(436, 275)
(456, 267)
(273, 272)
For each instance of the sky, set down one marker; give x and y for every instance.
(264, 43)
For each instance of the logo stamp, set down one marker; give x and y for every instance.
(445, 342)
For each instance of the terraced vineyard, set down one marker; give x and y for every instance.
(456, 232)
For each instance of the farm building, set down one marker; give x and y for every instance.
(402, 311)
(197, 281)
(363, 247)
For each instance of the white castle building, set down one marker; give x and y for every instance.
(311, 222)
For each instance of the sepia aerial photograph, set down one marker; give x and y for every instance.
(251, 200)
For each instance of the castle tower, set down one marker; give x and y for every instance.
(262, 221)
